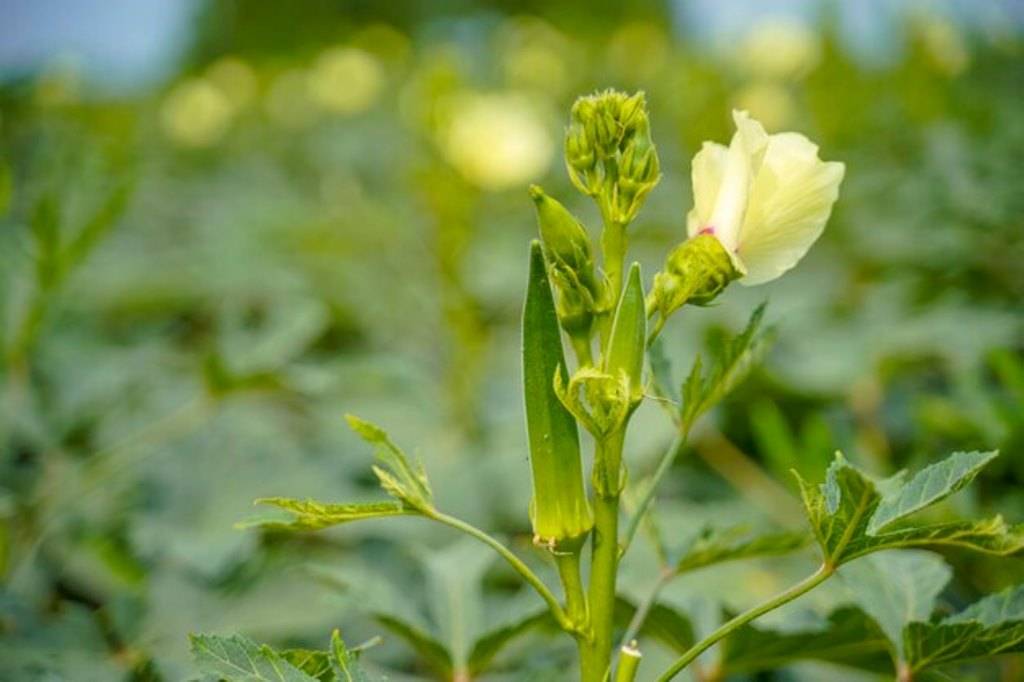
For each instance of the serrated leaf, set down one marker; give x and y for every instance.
(895, 588)
(316, 664)
(933, 483)
(850, 638)
(700, 393)
(401, 478)
(490, 644)
(313, 515)
(345, 662)
(995, 608)
(840, 512)
(239, 659)
(993, 625)
(713, 546)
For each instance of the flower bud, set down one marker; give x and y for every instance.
(696, 272)
(570, 255)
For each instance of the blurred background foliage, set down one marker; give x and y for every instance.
(223, 224)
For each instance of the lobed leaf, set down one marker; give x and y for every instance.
(993, 625)
(713, 546)
(239, 659)
(841, 513)
(402, 479)
(313, 515)
(933, 483)
(895, 588)
(850, 638)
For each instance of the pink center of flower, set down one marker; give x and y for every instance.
(710, 229)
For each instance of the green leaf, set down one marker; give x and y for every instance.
(346, 662)
(993, 625)
(402, 479)
(700, 393)
(661, 372)
(713, 546)
(933, 483)
(628, 339)
(841, 510)
(663, 623)
(895, 588)
(239, 659)
(850, 638)
(430, 651)
(313, 515)
(994, 609)
(316, 664)
(559, 510)
(489, 645)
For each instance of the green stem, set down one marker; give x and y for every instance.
(629, 662)
(575, 599)
(515, 562)
(648, 497)
(603, 569)
(581, 346)
(806, 585)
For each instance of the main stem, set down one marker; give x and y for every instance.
(604, 563)
(806, 585)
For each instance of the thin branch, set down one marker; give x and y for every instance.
(528, 575)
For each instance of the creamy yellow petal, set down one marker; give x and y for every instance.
(706, 174)
(742, 163)
(790, 201)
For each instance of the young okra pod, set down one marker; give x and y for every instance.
(560, 511)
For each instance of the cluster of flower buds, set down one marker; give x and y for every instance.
(609, 152)
(570, 257)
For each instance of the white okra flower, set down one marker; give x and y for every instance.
(765, 198)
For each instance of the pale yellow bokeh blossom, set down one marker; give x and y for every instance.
(196, 113)
(779, 48)
(346, 80)
(765, 198)
(236, 79)
(497, 141)
(769, 101)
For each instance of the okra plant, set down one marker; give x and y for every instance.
(759, 205)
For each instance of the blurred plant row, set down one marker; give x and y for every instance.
(198, 282)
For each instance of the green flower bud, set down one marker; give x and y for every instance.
(565, 241)
(696, 272)
(570, 255)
